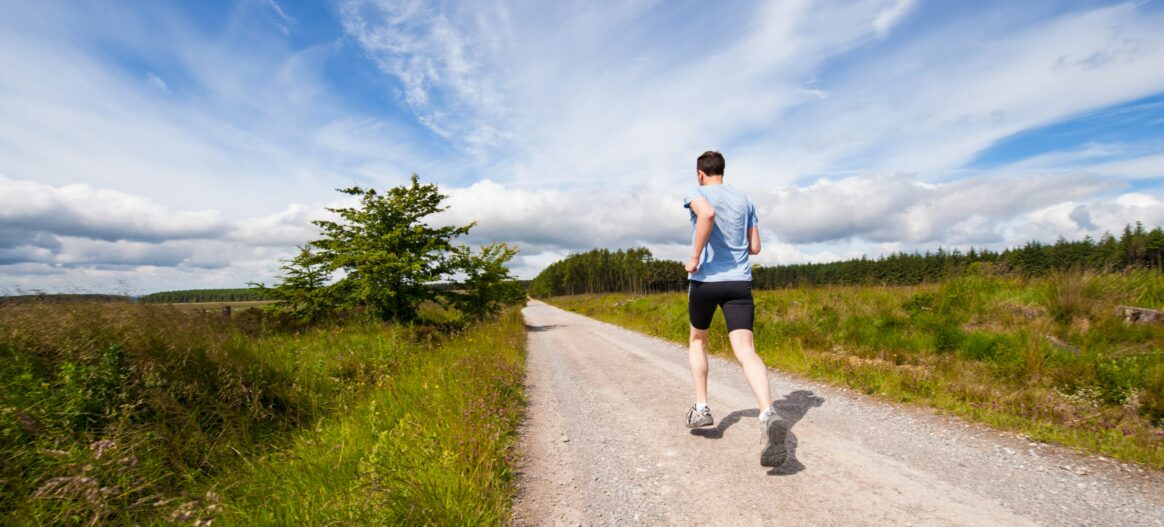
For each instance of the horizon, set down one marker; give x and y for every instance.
(176, 146)
(955, 251)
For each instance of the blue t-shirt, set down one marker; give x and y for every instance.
(725, 259)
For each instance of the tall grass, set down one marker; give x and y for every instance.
(430, 446)
(143, 414)
(1049, 358)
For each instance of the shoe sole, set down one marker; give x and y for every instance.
(773, 452)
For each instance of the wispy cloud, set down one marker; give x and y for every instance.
(891, 16)
(442, 57)
(573, 98)
(281, 19)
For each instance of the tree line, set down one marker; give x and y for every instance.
(206, 295)
(636, 271)
(60, 298)
(602, 270)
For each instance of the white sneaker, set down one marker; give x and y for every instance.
(773, 432)
(697, 418)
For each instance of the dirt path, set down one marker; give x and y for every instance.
(604, 444)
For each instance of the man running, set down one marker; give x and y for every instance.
(725, 232)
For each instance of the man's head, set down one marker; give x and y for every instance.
(711, 163)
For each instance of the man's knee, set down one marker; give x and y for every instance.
(742, 341)
(698, 335)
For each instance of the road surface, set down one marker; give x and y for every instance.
(604, 444)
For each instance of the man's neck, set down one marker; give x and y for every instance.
(712, 180)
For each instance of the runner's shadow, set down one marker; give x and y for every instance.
(792, 409)
(538, 329)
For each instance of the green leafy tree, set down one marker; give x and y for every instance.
(487, 285)
(383, 256)
(388, 256)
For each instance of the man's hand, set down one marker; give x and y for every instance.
(692, 264)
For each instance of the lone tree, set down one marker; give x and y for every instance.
(388, 260)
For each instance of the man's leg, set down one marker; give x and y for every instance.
(740, 313)
(773, 429)
(754, 369)
(697, 358)
(699, 311)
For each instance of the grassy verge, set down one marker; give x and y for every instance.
(1047, 358)
(430, 445)
(146, 414)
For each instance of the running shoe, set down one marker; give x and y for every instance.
(697, 418)
(773, 431)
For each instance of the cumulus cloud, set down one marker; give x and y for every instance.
(83, 211)
(78, 226)
(578, 218)
(822, 220)
(904, 208)
(286, 228)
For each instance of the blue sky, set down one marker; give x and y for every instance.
(160, 145)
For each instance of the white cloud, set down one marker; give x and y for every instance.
(891, 16)
(81, 210)
(238, 127)
(904, 208)
(598, 97)
(445, 76)
(1143, 167)
(578, 218)
(77, 231)
(290, 227)
(1108, 215)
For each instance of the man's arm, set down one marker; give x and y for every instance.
(704, 219)
(754, 241)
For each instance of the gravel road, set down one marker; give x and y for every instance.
(604, 444)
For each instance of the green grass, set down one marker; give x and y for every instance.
(1048, 358)
(431, 445)
(146, 414)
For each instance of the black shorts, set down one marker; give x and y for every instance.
(734, 297)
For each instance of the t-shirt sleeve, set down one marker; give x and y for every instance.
(690, 196)
(753, 220)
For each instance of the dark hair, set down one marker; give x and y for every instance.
(711, 163)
